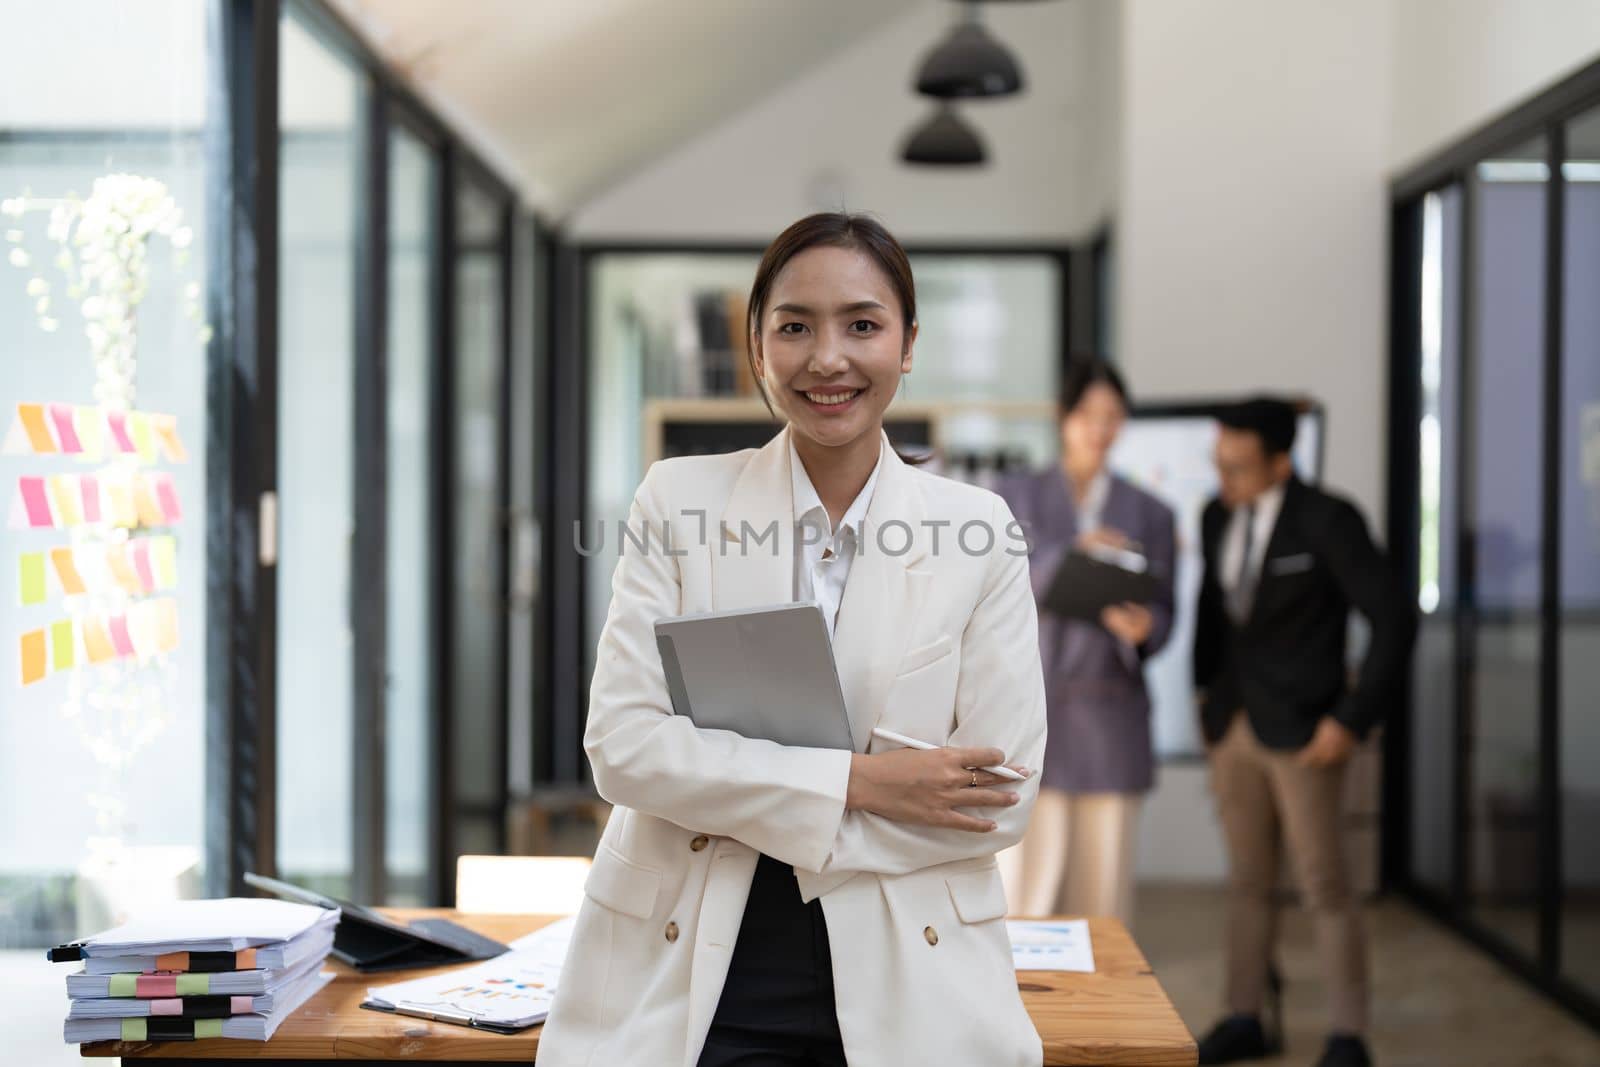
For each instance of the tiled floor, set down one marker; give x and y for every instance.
(1438, 1002)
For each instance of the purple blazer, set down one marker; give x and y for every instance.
(1098, 706)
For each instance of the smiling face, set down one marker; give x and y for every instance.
(831, 345)
(1090, 429)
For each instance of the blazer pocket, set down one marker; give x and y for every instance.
(978, 895)
(929, 653)
(1300, 561)
(620, 884)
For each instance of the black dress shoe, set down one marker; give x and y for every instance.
(1344, 1050)
(1238, 1037)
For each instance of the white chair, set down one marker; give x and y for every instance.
(525, 885)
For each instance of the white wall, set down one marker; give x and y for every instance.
(832, 138)
(1459, 63)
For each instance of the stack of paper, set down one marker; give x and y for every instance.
(510, 992)
(198, 968)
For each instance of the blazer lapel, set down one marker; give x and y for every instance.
(752, 541)
(1291, 494)
(883, 595)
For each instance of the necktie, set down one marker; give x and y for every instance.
(1244, 585)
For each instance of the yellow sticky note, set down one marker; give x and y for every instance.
(31, 579)
(142, 629)
(66, 566)
(91, 427)
(62, 645)
(164, 560)
(120, 496)
(32, 650)
(35, 425)
(67, 499)
(122, 569)
(166, 428)
(144, 441)
(96, 642)
(167, 624)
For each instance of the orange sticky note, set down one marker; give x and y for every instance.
(166, 428)
(167, 624)
(37, 429)
(144, 499)
(96, 642)
(67, 499)
(67, 571)
(122, 568)
(34, 663)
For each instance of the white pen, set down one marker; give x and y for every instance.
(911, 742)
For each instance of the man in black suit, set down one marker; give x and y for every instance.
(1284, 564)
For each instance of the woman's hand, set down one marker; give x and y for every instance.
(1131, 623)
(1103, 537)
(911, 785)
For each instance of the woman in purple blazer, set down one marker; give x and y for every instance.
(1077, 854)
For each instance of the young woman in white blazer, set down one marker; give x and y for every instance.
(755, 904)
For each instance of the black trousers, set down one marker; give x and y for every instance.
(777, 1004)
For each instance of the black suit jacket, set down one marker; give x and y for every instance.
(1286, 665)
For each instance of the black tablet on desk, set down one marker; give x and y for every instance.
(370, 941)
(1087, 581)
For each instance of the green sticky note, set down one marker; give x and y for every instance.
(31, 568)
(194, 985)
(124, 985)
(207, 1028)
(61, 645)
(134, 1030)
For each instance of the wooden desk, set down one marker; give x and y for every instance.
(1119, 1015)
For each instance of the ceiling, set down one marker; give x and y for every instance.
(569, 95)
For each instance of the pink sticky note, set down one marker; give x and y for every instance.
(167, 494)
(141, 565)
(243, 1005)
(118, 421)
(91, 497)
(119, 635)
(35, 501)
(66, 432)
(169, 1006)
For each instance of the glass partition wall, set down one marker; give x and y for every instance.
(1495, 507)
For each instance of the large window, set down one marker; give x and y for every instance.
(320, 106)
(102, 757)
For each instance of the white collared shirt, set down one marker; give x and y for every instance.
(1267, 506)
(1093, 504)
(822, 565)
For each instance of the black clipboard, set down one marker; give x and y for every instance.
(370, 941)
(1086, 582)
(450, 1017)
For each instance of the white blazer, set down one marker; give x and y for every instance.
(936, 642)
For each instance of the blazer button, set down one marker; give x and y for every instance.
(672, 932)
(931, 934)
(699, 843)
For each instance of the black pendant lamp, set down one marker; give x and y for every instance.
(944, 140)
(969, 63)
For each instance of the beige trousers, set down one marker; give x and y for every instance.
(1075, 858)
(1260, 791)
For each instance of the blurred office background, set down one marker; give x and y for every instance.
(469, 268)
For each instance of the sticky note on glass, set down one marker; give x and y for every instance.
(89, 489)
(167, 498)
(67, 499)
(36, 427)
(91, 425)
(117, 422)
(63, 646)
(167, 622)
(121, 568)
(34, 663)
(61, 418)
(144, 441)
(164, 560)
(35, 506)
(140, 551)
(121, 640)
(31, 578)
(142, 629)
(97, 642)
(166, 428)
(144, 499)
(120, 498)
(66, 568)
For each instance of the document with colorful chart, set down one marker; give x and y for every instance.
(513, 990)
